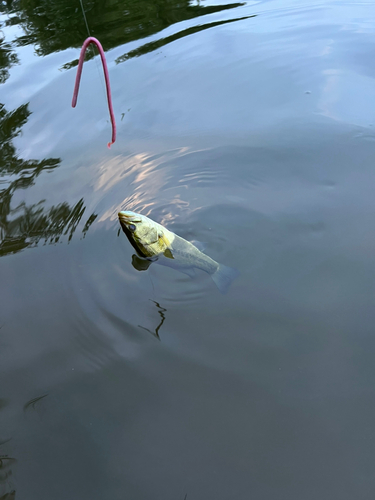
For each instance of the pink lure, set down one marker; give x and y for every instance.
(86, 43)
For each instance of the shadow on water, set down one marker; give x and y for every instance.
(56, 25)
(24, 226)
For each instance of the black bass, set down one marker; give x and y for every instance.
(153, 242)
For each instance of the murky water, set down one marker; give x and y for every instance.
(247, 127)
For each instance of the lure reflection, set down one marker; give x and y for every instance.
(154, 243)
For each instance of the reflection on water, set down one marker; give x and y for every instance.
(32, 404)
(9, 496)
(23, 225)
(147, 177)
(161, 312)
(11, 165)
(7, 490)
(58, 24)
(253, 394)
(151, 46)
(7, 59)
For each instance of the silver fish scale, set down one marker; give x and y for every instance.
(185, 253)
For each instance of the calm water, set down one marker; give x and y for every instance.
(246, 126)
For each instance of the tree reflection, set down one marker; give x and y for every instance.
(7, 59)
(151, 46)
(55, 25)
(24, 226)
(52, 26)
(7, 491)
(6, 464)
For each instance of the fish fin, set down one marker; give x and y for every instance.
(198, 244)
(165, 239)
(167, 253)
(223, 277)
(140, 264)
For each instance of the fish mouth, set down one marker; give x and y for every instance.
(128, 218)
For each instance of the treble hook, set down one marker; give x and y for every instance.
(86, 43)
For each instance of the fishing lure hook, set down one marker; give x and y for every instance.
(86, 43)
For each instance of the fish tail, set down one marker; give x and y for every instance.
(223, 277)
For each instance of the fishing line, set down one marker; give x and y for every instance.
(152, 283)
(92, 47)
(86, 43)
(84, 17)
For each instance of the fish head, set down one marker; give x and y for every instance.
(147, 237)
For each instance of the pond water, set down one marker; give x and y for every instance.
(245, 126)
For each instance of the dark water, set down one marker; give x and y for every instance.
(246, 126)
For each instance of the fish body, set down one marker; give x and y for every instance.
(153, 242)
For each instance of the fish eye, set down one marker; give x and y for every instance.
(132, 227)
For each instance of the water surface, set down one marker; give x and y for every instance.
(248, 127)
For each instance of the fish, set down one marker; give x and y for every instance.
(155, 243)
